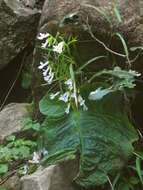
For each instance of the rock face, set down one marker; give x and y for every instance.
(18, 24)
(13, 183)
(131, 13)
(50, 178)
(10, 119)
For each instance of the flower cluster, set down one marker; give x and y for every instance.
(68, 96)
(58, 48)
(48, 75)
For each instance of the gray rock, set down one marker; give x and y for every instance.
(131, 13)
(10, 119)
(18, 24)
(13, 183)
(50, 178)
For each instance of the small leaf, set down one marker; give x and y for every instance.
(25, 151)
(10, 138)
(117, 14)
(124, 45)
(99, 93)
(3, 168)
(136, 48)
(138, 168)
(89, 62)
(26, 81)
(36, 126)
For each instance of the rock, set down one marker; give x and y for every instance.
(131, 13)
(53, 177)
(13, 183)
(18, 24)
(10, 119)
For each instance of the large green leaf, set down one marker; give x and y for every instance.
(52, 108)
(102, 135)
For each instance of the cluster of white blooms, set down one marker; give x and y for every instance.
(48, 75)
(37, 156)
(56, 48)
(35, 159)
(67, 96)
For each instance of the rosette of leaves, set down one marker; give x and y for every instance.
(102, 135)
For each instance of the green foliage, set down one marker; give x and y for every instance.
(52, 108)
(14, 150)
(116, 12)
(136, 48)
(26, 81)
(3, 168)
(105, 133)
(29, 124)
(124, 46)
(2, 188)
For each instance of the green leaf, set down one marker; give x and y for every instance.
(117, 14)
(29, 124)
(52, 108)
(10, 138)
(26, 81)
(138, 168)
(99, 93)
(102, 13)
(2, 188)
(107, 138)
(121, 78)
(136, 48)
(138, 154)
(3, 168)
(63, 155)
(89, 62)
(25, 151)
(124, 46)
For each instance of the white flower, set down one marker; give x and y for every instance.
(44, 45)
(35, 159)
(85, 108)
(81, 100)
(64, 97)
(44, 152)
(49, 78)
(69, 84)
(42, 65)
(134, 73)
(67, 110)
(45, 72)
(52, 96)
(58, 48)
(42, 36)
(25, 169)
